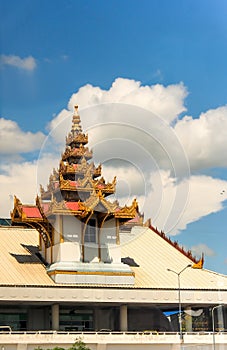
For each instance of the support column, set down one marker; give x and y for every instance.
(117, 231)
(220, 319)
(61, 228)
(55, 317)
(188, 320)
(123, 318)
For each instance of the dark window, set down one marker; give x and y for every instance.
(90, 234)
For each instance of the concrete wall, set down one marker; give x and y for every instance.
(57, 229)
(66, 251)
(72, 229)
(108, 233)
(121, 341)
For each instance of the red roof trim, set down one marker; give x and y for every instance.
(32, 212)
(72, 206)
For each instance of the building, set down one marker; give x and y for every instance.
(75, 261)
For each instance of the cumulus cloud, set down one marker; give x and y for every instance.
(171, 203)
(13, 140)
(174, 204)
(204, 139)
(23, 180)
(166, 102)
(17, 179)
(27, 63)
(131, 134)
(60, 126)
(128, 133)
(202, 248)
(129, 138)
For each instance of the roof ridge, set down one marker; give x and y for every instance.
(175, 244)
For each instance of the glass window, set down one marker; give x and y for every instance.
(90, 233)
(17, 321)
(76, 320)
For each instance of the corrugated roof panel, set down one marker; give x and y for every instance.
(155, 256)
(150, 251)
(13, 272)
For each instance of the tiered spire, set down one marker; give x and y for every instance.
(76, 136)
(76, 189)
(76, 125)
(79, 180)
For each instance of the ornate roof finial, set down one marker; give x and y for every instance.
(76, 127)
(76, 110)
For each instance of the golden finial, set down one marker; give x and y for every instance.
(76, 110)
(76, 128)
(100, 194)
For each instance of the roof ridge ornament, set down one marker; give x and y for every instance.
(76, 127)
(76, 110)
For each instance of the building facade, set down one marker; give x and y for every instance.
(76, 261)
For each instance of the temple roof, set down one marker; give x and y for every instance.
(26, 211)
(149, 250)
(76, 174)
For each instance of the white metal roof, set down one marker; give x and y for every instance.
(150, 251)
(154, 256)
(13, 272)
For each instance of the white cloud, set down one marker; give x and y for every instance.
(137, 146)
(19, 180)
(166, 102)
(15, 141)
(171, 204)
(23, 180)
(128, 133)
(60, 126)
(204, 139)
(64, 57)
(27, 63)
(202, 248)
(139, 142)
(201, 141)
(184, 202)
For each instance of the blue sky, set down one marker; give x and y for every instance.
(51, 49)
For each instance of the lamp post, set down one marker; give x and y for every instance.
(213, 323)
(179, 297)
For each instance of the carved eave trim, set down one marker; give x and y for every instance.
(16, 209)
(39, 206)
(79, 138)
(97, 198)
(87, 185)
(100, 184)
(61, 208)
(98, 170)
(127, 212)
(175, 244)
(77, 153)
(19, 216)
(80, 169)
(48, 194)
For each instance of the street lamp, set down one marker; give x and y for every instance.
(213, 323)
(179, 296)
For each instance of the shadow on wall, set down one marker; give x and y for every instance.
(141, 319)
